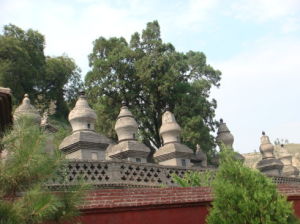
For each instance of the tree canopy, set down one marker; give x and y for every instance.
(25, 69)
(150, 74)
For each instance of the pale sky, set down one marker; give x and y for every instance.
(255, 43)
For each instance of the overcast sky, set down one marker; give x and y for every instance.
(255, 43)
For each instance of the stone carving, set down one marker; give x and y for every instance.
(27, 110)
(118, 174)
(224, 137)
(128, 147)
(84, 142)
(122, 174)
(269, 164)
(286, 158)
(200, 158)
(172, 152)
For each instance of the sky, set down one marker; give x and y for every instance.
(254, 43)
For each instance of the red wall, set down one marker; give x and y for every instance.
(296, 203)
(183, 215)
(158, 206)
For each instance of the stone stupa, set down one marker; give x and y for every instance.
(128, 148)
(84, 142)
(286, 158)
(25, 109)
(226, 139)
(269, 164)
(172, 152)
(200, 158)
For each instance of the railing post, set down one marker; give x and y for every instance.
(113, 169)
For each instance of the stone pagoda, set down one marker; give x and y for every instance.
(225, 138)
(200, 158)
(84, 142)
(286, 158)
(128, 148)
(269, 164)
(27, 110)
(172, 153)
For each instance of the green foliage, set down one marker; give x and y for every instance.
(22, 60)
(61, 81)
(243, 195)
(194, 179)
(149, 74)
(23, 197)
(25, 69)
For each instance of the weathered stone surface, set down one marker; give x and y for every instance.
(172, 152)
(120, 174)
(126, 126)
(128, 148)
(27, 110)
(124, 174)
(169, 130)
(269, 164)
(199, 159)
(251, 159)
(286, 158)
(224, 136)
(82, 117)
(84, 142)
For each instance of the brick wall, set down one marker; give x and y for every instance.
(133, 197)
(158, 205)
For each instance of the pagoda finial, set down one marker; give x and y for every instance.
(81, 92)
(126, 126)
(82, 117)
(266, 147)
(167, 108)
(169, 130)
(124, 103)
(224, 136)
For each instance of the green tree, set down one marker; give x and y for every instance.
(22, 60)
(24, 199)
(25, 69)
(243, 195)
(194, 179)
(61, 82)
(150, 74)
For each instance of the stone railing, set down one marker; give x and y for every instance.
(116, 174)
(121, 174)
(285, 180)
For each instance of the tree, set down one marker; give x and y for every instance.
(149, 75)
(243, 195)
(24, 199)
(61, 83)
(194, 179)
(25, 69)
(22, 60)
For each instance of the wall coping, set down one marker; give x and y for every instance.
(146, 198)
